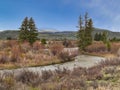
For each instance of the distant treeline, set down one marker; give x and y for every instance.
(103, 36)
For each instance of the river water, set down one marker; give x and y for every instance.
(80, 61)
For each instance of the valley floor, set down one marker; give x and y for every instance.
(102, 76)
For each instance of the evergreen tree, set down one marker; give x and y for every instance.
(80, 23)
(104, 37)
(81, 34)
(33, 33)
(100, 37)
(96, 37)
(108, 46)
(24, 30)
(84, 34)
(88, 33)
(28, 31)
(81, 40)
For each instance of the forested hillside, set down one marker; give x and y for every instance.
(56, 35)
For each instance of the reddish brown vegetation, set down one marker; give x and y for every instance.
(56, 49)
(23, 54)
(96, 47)
(115, 47)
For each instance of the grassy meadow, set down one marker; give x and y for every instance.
(103, 76)
(14, 54)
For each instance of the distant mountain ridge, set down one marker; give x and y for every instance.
(48, 30)
(54, 34)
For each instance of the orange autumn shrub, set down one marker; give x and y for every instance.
(56, 49)
(115, 47)
(37, 46)
(96, 47)
(15, 53)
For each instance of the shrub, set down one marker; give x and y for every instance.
(115, 47)
(109, 70)
(118, 53)
(59, 73)
(2, 45)
(43, 41)
(108, 46)
(94, 84)
(65, 42)
(7, 81)
(93, 73)
(29, 78)
(25, 47)
(9, 38)
(79, 71)
(8, 44)
(110, 62)
(46, 75)
(96, 47)
(4, 58)
(56, 49)
(37, 46)
(11, 43)
(15, 53)
(64, 56)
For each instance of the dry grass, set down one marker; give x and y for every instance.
(115, 47)
(100, 49)
(15, 54)
(97, 47)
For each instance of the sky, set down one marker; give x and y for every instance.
(61, 15)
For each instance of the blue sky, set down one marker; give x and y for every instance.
(59, 14)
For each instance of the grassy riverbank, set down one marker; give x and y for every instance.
(16, 55)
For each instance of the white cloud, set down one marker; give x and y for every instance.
(108, 9)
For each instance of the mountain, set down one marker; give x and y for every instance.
(47, 30)
(9, 33)
(58, 35)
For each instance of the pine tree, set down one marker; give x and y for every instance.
(100, 37)
(81, 34)
(108, 46)
(96, 37)
(33, 33)
(84, 34)
(24, 30)
(28, 31)
(86, 19)
(88, 32)
(104, 37)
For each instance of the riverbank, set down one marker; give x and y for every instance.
(105, 55)
(10, 66)
(84, 61)
(14, 55)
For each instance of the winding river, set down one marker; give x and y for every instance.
(80, 61)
